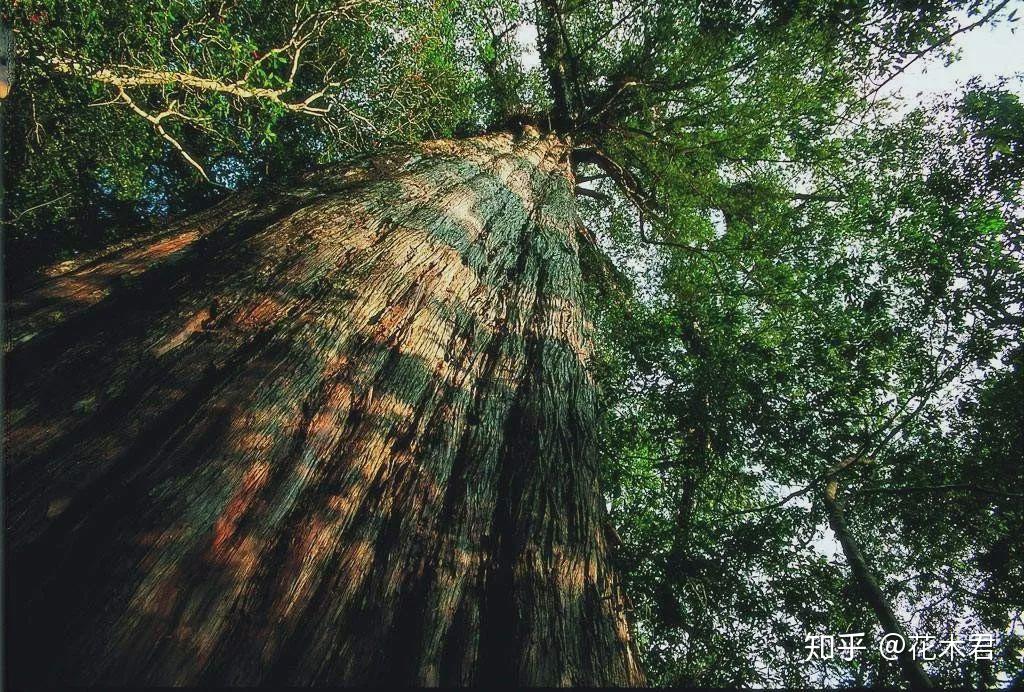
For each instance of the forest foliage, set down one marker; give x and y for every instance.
(796, 278)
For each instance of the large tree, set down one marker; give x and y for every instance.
(344, 426)
(338, 432)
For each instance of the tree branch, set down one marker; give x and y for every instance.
(938, 44)
(155, 121)
(140, 76)
(553, 58)
(952, 487)
(593, 194)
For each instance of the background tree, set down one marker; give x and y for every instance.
(775, 361)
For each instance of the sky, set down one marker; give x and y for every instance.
(988, 51)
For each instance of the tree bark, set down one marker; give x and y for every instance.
(337, 432)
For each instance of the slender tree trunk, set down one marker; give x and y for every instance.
(338, 433)
(868, 586)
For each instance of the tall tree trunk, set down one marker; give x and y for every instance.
(338, 433)
(868, 587)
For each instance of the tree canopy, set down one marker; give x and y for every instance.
(794, 282)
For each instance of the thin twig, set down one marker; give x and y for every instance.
(40, 206)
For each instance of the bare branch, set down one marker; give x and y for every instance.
(593, 194)
(155, 120)
(39, 206)
(140, 76)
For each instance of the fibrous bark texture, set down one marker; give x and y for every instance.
(339, 432)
